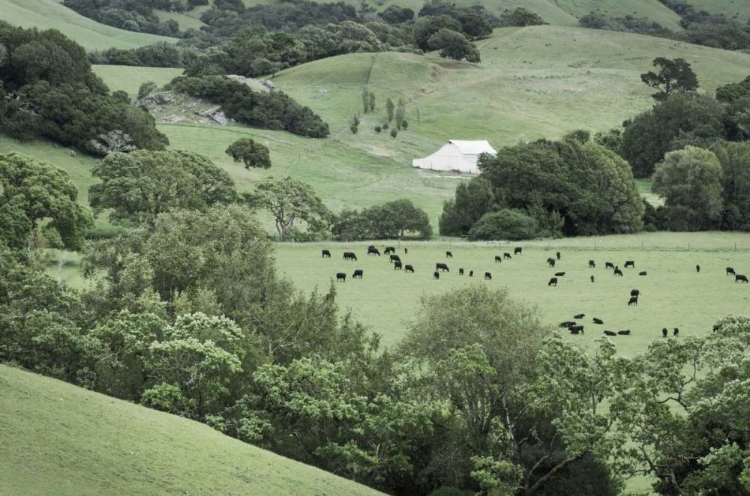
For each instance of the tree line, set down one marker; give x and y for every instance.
(187, 314)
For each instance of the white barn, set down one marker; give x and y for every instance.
(456, 155)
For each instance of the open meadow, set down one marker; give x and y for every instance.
(673, 293)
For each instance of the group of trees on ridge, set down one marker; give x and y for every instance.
(186, 314)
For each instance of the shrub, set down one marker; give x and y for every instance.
(394, 133)
(506, 224)
(378, 129)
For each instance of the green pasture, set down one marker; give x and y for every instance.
(129, 79)
(673, 293)
(730, 8)
(50, 14)
(185, 20)
(60, 439)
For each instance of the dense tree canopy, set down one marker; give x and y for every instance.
(670, 125)
(250, 153)
(392, 220)
(139, 186)
(33, 192)
(568, 187)
(674, 76)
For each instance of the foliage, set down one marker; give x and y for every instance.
(520, 17)
(393, 220)
(735, 164)
(512, 225)
(473, 199)
(289, 200)
(33, 192)
(585, 186)
(393, 14)
(274, 110)
(453, 45)
(146, 88)
(425, 27)
(57, 96)
(132, 16)
(389, 108)
(139, 186)
(653, 133)
(250, 153)
(160, 54)
(675, 76)
(690, 181)
(628, 24)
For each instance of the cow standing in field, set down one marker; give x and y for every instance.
(471, 273)
(389, 249)
(609, 265)
(664, 332)
(558, 255)
(358, 273)
(436, 275)
(633, 301)
(506, 255)
(461, 272)
(630, 263)
(551, 262)
(487, 276)
(349, 255)
(397, 266)
(517, 250)
(409, 268)
(592, 279)
(498, 259)
(592, 264)
(618, 272)
(676, 332)
(730, 271)
(448, 254)
(326, 254)
(635, 292)
(740, 278)
(552, 282)
(340, 276)
(698, 269)
(406, 250)
(371, 250)
(442, 266)
(394, 258)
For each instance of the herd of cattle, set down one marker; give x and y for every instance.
(572, 325)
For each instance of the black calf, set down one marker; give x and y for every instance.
(326, 254)
(436, 275)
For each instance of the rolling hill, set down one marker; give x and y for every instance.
(63, 440)
(50, 14)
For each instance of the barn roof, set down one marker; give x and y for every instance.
(473, 147)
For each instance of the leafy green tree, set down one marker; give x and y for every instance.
(392, 220)
(372, 101)
(145, 89)
(504, 225)
(389, 108)
(139, 186)
(735, 164)
(393, 14)
(473, 199)
(400, 113)
(653, 133)
(250, 153)
(475, 24)
(32, 191)
(365, 99)
(453, 45)
(690, 181)
(520, 17)
(674, 76)
(288, 200)
(426, 26)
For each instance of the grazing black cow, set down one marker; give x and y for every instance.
(487, 276)
(389, 249)
(592, 279)
(558, 255)
(610, 333)
(498, 259)
(442, 266)
(551, 262)
(436, 275)
(633, 301)
(517, 250)
(740, 278)
(409, 268)
(664, 332)
(506, 255)
(395, 258)
(642, 273)
(598, 321)
(471, 273)
(575, 329)
(618, 272)
(626, 332)
(676, 332)
(567, 324)
(371, 250)
(579, 316)
(326, 254)
(630, 263)
(460, 271)
(358, 273)
(698, 268)
(592, 264)
(448, 254)
(609, 265)
(635, 292)
(397, 266)
(559, 274)
(340, 276)
(730, 271)
(349, 255)
(552, 282)
(406, 250)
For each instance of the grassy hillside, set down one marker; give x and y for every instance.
(729, 8)
(63, 440)
(129, 79)
(50, 14)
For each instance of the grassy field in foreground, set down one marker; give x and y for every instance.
(58, 439)
(50, 14)
(674, 295)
